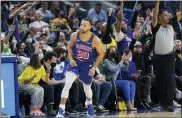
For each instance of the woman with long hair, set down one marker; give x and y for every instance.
(112, 66)
(28, 82)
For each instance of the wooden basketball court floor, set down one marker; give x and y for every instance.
(132, 114)
(154, 113)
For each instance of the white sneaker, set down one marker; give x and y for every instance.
(36, 112)
(176, 105)
(178, 95)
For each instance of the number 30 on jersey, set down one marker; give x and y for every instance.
(82, 54)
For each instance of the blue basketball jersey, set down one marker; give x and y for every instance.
(83, 51)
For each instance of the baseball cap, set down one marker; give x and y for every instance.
(138, 43)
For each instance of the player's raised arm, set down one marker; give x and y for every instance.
(155, 14)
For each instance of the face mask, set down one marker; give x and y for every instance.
(113, 55)
(53, 64)
(62, 59)
(178, 51)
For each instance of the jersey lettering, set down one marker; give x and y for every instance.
(82, 54)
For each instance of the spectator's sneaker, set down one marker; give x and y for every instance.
(60, 113)
(140, 106)
(90, 110)
(40, 112)
(81, 109)
(100, 108)
(147, 106)
(66, 113)
(36, 112)
(153, 105)
(73, 112)
(170, 109)
(176, 105)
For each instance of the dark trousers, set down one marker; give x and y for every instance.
(140, 90)
(143, 85)
(48, 93)
(57, 95)
(178, 84)
(52, 94)
(103, 91)
(146, 80)
(82, 96)
(165, 83)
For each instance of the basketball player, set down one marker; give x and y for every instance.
(83, 49)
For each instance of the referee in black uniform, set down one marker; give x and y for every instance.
(164, 58)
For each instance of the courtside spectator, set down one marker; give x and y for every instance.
(28, 82)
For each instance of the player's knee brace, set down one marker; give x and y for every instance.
(70, 78)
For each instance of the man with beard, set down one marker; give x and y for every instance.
(178, 52)
(142, 61)
(178, 66)
(83, 49)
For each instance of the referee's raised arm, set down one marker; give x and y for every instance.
(155, 14)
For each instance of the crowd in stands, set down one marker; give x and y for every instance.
(37, 33)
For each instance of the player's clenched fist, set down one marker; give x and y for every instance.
(92, 72)
(73, 63)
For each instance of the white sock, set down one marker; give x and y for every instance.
(62, 106)
(88, 102)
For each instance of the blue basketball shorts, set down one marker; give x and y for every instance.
(82, 70)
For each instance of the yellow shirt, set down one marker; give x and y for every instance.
(29, 72)
(106, 46)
